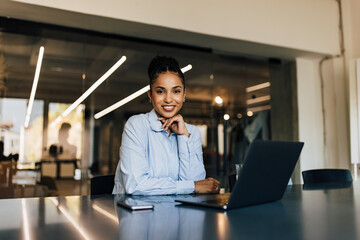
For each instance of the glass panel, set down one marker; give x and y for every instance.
(66, 135)
(12, 119)
(74, 59)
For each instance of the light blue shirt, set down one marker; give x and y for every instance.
(154, 163)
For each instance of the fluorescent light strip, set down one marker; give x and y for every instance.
(57, 120)
(70, 218)
(122, 102)
(25, 219)
(90, 90)
(186, 68)
(131, 97)
(94, 86)
(34, 87)
(259, 109)
(258, 100)
(258, 87)
(105, 213)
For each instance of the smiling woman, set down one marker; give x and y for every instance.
(167, 95)
(160, 153)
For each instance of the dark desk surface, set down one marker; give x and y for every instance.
(301, 214)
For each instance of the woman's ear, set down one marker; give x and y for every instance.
(149, 95)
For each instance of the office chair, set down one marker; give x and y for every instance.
(232, 181)
(49, 182)
(322, 176)
(102, 184)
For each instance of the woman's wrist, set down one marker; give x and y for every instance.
(187, 134)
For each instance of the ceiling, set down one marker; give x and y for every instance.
(74, 59)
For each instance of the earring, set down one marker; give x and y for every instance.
(184, 100)
(149, 100)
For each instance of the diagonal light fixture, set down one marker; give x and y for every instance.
(131, 97)
(89, 91)
(34, 87)
(258, 87)
(258, 100)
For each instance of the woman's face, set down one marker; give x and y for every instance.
(167, 94)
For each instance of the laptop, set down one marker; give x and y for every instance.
(263, 178)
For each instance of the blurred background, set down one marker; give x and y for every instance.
(259, 71)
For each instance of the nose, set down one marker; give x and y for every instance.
(168, 98)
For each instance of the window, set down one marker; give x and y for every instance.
(12, 119)
(67, 134)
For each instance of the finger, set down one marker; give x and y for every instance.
(216, 188)
(217, 182)
(162, 119)
(168, 124)
(164, 123)
(178, 116)
(171, 121)
(214, 180)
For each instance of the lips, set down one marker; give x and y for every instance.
(168, 108)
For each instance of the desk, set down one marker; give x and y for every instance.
(301, 214)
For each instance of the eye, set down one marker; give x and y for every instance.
(159, 91)
(177, 91)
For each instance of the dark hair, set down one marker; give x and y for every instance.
(65, 126)
(163, 64)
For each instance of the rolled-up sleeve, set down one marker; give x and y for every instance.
(191, 156)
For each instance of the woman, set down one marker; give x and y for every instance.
(160, 153)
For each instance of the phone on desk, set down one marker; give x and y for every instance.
(135, 207)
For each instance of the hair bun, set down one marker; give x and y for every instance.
(161, 64)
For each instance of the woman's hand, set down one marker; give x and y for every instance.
(208, 185)
(176, 124)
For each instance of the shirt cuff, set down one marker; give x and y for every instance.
(185, 187)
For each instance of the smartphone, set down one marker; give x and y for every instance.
(135, 207)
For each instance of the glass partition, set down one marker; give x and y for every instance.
(67, 134)
(225, 95)
(12, 119)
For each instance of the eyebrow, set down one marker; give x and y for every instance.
(172, 88)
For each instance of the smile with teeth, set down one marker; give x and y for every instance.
(168, 108)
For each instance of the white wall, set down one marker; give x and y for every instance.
(323, 128)
(307, 25)
(351, 20)
(354, 113)
(310, 114)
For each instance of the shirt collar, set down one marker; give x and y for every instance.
(155, 123)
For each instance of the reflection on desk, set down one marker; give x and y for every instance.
(301, 214)
(23, 191)
(180, 223)
(19, 183)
